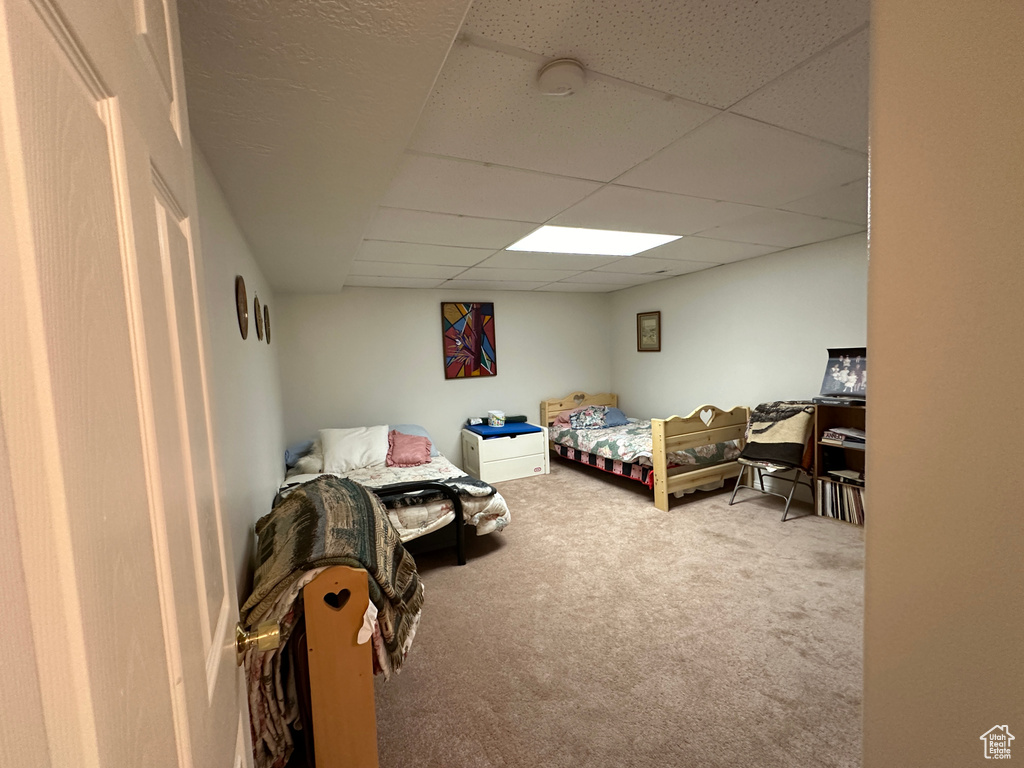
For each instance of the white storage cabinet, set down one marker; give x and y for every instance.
(507, 457)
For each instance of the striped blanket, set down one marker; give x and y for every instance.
(778, 433)
(327, 521)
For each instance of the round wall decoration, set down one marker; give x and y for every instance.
(258, 317)
(242, 306)
(266, 322)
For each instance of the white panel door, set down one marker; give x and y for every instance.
(123, 575)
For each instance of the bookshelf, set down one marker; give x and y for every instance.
(839, 469)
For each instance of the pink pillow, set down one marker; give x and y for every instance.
(563, 417)
(407, 450)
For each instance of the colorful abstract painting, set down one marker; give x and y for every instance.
(468, 340)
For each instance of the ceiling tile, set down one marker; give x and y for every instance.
(583, 287)
(531, 260)
(485, 106)
(612, 277)
(704, 249)
(741, 160)
(391, 269)
(638, 265)
(712, 52)
(827, 97)
(783, 228)
(302, 110)
(545, 275)
(392, 282)
(457, 186)
(846, 203)
(417, 253)
(445, 229)
(641, 210)
(495, 285)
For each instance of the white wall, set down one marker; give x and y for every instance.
(374, 356)
(244, 383)
(742, 333)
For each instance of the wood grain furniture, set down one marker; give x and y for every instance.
(506, 457)
(550, 409)
(837, 496)
(340, 676)
(707, 425)
(678, 433)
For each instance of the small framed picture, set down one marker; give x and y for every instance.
(648, 331)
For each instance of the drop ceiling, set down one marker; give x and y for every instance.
(406, 145)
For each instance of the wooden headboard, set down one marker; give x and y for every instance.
(549, 409)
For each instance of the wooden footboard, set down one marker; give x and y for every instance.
(707, 425)
(340, 669)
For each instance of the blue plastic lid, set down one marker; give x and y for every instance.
(509, 429)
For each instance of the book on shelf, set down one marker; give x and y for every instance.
(844, 437)
(840, 501)
(857, 444)
(848, 401)
(851, 476)
(851, 433)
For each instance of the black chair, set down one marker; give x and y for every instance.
(777, 442)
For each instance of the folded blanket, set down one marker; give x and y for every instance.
(778, 432)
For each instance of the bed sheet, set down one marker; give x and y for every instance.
(486, 513)
(631, 443)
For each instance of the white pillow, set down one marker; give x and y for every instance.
(349, 449)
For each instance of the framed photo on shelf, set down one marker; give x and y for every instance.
(648, 331)
(846, 373)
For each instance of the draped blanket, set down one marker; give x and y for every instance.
(416, 515)
(778, 433)
(332, 521)
(327, 521)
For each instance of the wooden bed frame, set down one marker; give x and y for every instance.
(340, 669)
(335, 675)
(707, 425)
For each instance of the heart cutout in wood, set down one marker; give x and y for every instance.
(577, 399)
(337, 600)
(706, 416)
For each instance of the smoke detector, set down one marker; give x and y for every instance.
(561, 77)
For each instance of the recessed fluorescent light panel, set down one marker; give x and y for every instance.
(595, 242)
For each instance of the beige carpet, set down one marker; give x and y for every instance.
(599, 631)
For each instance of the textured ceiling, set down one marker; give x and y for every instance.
(302, 109)
(740, 125)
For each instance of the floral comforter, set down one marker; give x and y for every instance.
(487, 513)
(632, 443)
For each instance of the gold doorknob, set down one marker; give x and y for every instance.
(266, 637)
